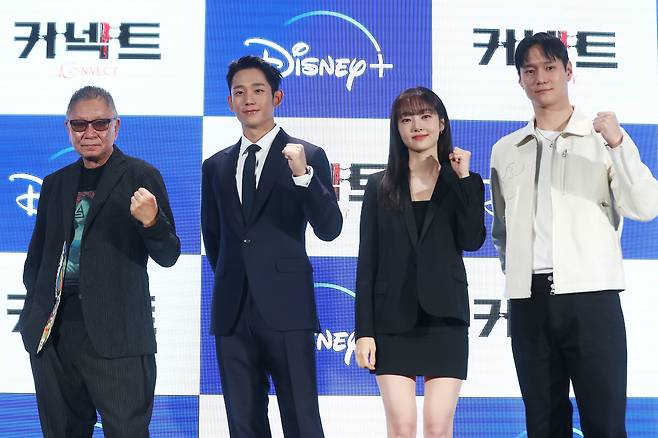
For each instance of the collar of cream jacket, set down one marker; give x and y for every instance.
(578, 125)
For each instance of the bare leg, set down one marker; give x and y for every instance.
(399, 396)
(441, 395)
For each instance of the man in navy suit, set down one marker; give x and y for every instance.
(257, 198)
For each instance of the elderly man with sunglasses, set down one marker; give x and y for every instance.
(87, 321)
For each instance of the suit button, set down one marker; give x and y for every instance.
(79, 296)
(246, 241)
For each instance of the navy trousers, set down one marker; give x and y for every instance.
(246, 357)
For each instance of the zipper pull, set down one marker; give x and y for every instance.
(564, 154)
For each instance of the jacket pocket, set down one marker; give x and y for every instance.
(459, 274)
(293, 264)
(606, 207)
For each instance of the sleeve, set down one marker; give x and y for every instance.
(35, 249)
(367, 262)
(498, 229)
(161, 241)
(319, 199)
(210, 225)
(634, 187)
(471, 232)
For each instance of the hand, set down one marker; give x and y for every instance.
(296, 157)
(144, 207)
(460, 160)
(607, 125)
(365, 353)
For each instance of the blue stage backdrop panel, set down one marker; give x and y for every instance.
(171, 144)
(173, 416)
(345, 58)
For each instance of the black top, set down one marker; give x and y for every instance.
(420, 209)
(89, 180)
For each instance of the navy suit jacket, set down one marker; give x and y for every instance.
(268, 248)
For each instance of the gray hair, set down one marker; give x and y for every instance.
(89, 93)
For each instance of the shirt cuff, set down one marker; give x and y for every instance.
(304, 180)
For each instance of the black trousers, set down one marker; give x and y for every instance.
(247, 356)
(573, 337)
(73, 382)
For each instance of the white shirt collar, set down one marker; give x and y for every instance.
(265, 141)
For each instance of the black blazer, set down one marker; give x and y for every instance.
(115, 247)
(267, 248)
(454, 222)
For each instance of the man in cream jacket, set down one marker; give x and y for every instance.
(560, 187)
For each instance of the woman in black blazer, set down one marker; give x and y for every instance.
(412, 310)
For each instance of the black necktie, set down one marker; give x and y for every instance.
(249, 180)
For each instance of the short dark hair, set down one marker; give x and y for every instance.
(551, 45)
(396, 176)
(91, 92)
(272, 74)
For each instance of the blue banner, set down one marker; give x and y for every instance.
(35, 146)
(338, 59)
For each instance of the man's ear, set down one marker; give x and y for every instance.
(278, 97)
(230, 103)
(569, 70)
(117, 124)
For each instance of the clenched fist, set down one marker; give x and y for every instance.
(459, 160)
(144, 207)
(607, 125)
(294, 153)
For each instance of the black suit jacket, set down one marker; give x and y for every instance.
(115, 247)
(454, 222)
(269, 247)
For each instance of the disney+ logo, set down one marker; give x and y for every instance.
(28, 201)
(300, 61)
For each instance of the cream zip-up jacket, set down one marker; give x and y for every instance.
(592, 188)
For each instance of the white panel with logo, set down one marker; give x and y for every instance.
(147, 53)
(612, 49)
(16, 375)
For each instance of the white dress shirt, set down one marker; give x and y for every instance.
(265, 144)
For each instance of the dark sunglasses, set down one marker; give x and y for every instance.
(80, 125)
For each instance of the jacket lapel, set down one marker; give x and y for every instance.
(69, 188)
(408, 215)
(446, 179)
(111, 176)
(274, 165)
(228, 185)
